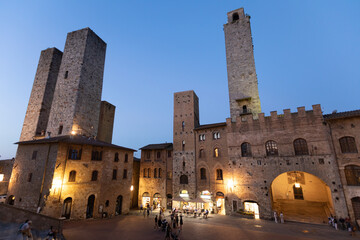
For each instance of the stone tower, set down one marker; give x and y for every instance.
(38, 110)
(77, 97)
(106, 122)
(186, 118)
(242, 79)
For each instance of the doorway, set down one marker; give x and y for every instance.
(118, 208)
(67, 208)
(90, 207)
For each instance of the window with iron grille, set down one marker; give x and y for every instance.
(300, 147)
(271, 148)
(348, 145)
(246, 149)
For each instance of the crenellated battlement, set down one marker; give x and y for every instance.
(275, 120)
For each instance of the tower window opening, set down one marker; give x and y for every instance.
(244, 109)
(183, 126)
(183, 145)
(235, 17)
(66, 74)
(60, 129)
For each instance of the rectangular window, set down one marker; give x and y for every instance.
(114, 174)
(66, 74)
(60, 129)
(34, 154)
(29, 177)
(169, 153)
(125, 174)
(74, 153)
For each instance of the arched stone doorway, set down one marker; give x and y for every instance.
(220, 203)
(301, 197)
(145, 201)
(156, 200)
(118, 208)
(90, 207)
(67, 208)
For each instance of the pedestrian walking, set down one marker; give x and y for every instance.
(177, 220)
(275, 217)
(168, 232)
(156, 222)
(25, 230)
(51, 234)
(148, 212)
(152, 208)
(181, 222)
(159, 221)
(281, 217)
(335, 223)
(144, 212)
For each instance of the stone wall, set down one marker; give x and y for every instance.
(11, 214)
(38, 110)
(342, 127)
(6, 167)
(152, 184)
(106, 122)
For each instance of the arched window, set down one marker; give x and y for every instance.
(159, 172)
(183, 126)
(246, 149)
(216, 152)
(72, 176)
(201, 153)
(352, 174)
(202, 173)
(348, 145)
(216, 135)
(244, 107)
(219, 174)
(300, 147)
(149, 173)
(116, 158)
(271, 148)
(144, 173)
(126, 158)
(183, 179)
(235, 17)
(94, 176)
(155, 172)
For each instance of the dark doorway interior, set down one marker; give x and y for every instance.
(118, 208)
(67, 208)
(90, 207)
(298, 193)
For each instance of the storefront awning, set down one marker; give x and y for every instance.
(179, 199)
(197, 200)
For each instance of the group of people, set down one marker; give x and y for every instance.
(25, 231)
(173, 228)
(342, 224)
(279, 217)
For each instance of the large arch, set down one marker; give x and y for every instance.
(302, 197)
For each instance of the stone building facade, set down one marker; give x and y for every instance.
(285, 162)
(69, 172)
(6, 167)
(155, 183)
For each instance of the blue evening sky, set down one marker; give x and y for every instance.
(306, 52)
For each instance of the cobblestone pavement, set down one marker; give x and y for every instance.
(135, 226)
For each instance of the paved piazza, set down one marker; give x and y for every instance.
(135, 226)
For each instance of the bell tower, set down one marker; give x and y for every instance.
(242, 79)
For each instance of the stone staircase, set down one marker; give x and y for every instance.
(303, 211)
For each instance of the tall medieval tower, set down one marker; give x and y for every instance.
(42, 93)
(242, 79)
(186, 118)
(77, 97)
